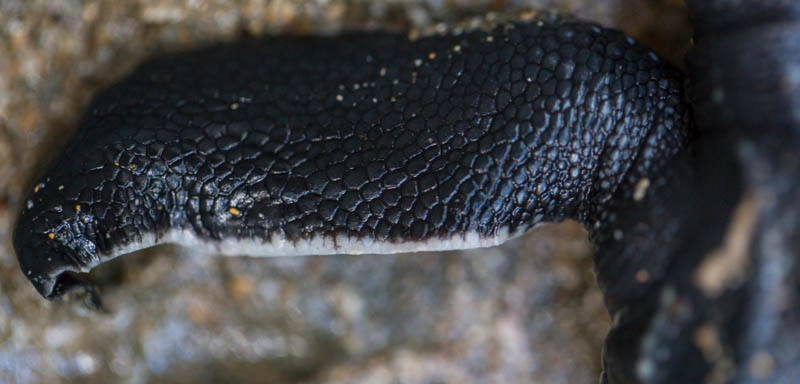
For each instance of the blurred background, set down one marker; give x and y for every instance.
(528, 311)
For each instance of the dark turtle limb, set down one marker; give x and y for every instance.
(716, 262)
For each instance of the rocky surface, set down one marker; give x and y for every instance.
(528, 311)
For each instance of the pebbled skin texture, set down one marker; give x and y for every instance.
(368, 135)
(375, 137)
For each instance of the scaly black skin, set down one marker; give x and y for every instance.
(367, 135)
(478, 133)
